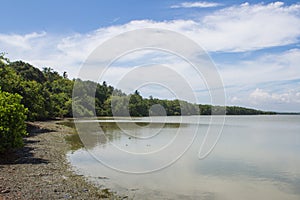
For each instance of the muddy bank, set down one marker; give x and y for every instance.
(40, 170)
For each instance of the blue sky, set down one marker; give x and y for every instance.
(255, 44)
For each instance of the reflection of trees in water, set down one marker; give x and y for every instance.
(94, 134)
(74, 141)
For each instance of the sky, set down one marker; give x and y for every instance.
(253, 44)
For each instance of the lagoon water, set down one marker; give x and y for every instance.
(256, 157)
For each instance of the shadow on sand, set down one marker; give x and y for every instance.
(25, 155)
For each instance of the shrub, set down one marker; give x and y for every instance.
(12, 121)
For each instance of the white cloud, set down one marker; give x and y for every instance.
(248, 27)
(200, 4)
(24, 42)
(266, 68)
(260, 96)
(287, 100)
(238, 28)
(276, 75)
(179, 73)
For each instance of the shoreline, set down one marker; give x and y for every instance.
(40, 169)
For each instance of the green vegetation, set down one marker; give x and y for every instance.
(47, 95)
(12, 121)
(231, 110)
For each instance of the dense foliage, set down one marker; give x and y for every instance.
(48, 94)
(43, 92)
(12, 118)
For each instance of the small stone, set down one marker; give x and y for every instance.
(67, 196)
(5, 191)
(102, 177)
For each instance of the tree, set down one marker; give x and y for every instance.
(119, 105)
(48, 95)
(137, 105)
(3, 58)
(205, 109)
(28, 72)
(10, 80)
(83, 106)
(65, 75)
(50, 74)
(12, 121)
(34, 98)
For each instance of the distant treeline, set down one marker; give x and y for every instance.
(47, 95)
(29, 94)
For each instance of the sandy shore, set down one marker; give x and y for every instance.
(40, 170)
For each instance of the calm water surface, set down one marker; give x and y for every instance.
(257, 157)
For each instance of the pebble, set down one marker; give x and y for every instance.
(5, 191)
(102, 177)
(85, 190)
(67, 196)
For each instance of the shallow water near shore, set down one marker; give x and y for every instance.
(256, 157)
